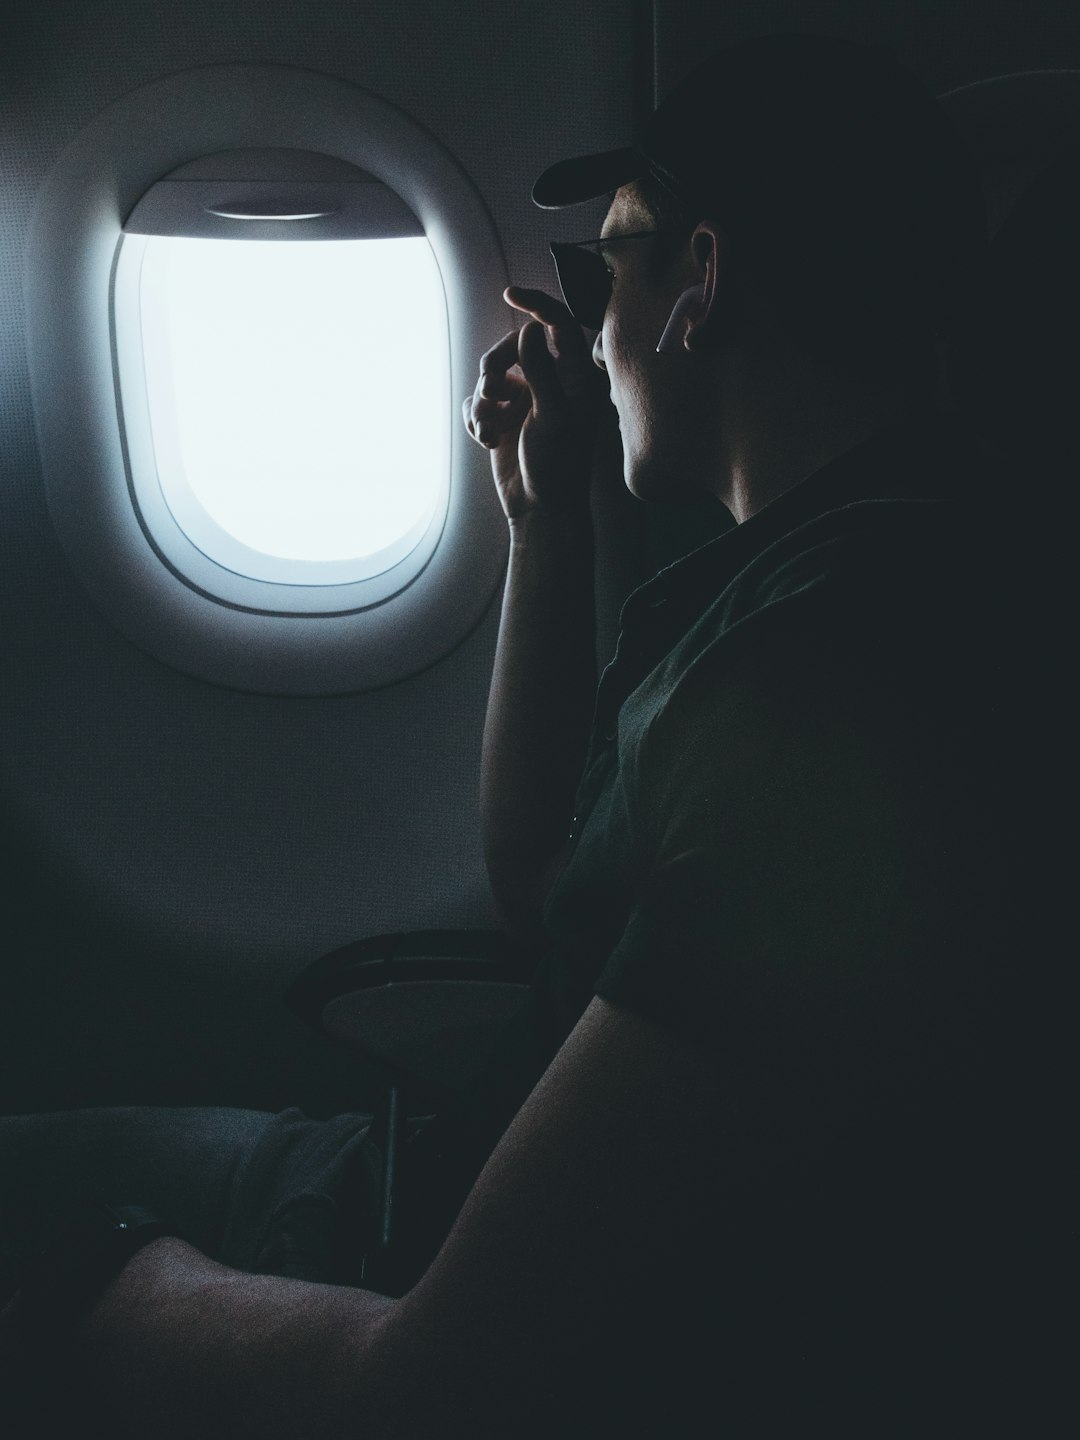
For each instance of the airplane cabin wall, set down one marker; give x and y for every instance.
(176, 852)
(173, 853)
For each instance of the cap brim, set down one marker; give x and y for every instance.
(572, 181)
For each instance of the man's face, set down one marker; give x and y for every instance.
(652, 393)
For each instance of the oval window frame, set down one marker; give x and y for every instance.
(75, 242)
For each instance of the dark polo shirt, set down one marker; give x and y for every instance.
(862, 606)
(794, 842)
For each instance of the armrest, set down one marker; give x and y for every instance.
(426, 1003)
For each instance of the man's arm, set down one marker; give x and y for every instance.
(536, 413)
(539, 711)
(179, 1345)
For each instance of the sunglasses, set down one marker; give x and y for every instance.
(585, 278)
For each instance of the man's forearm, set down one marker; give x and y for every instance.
(540, 707)
(179, 1345)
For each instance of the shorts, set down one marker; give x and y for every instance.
(272, 1194)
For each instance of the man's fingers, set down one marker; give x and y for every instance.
(539, 304)
(502, 398)
(494, 364)
(487, 421)
(538, 366)
(563, 330)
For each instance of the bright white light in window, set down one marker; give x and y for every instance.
(299, 399)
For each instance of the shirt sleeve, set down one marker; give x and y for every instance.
(816, 907)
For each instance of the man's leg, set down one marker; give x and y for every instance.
(279, 1193)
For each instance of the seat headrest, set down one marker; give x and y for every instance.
(1015, 371)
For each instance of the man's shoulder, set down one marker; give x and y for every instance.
(856, 545)
(864, 618)
(854, 575)
(874, 575)
(907, 495)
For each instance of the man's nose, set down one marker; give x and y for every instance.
(598, 351)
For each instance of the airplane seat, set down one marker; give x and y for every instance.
(1015, 373)
(1014, 378)
(1012, 373)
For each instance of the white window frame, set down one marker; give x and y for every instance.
(267, 638)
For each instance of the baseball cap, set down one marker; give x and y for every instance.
(845, 182)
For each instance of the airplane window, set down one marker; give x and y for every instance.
(253, 295)
(298, 399)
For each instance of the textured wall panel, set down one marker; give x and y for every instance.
(177, 851)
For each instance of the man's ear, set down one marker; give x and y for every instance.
(674, 337)
(705, 319)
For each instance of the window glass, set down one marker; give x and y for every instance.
(298, 399)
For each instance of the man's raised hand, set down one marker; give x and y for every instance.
(535, 408)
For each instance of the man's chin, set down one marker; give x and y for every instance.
(655, 483)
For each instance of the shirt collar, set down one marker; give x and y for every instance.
(926, 458)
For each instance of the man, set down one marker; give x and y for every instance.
(757, 1174)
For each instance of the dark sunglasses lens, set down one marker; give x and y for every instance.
(585, 282)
